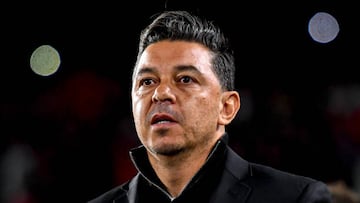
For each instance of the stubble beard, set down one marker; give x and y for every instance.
(170, 149)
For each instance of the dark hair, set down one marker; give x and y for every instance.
(181, 25)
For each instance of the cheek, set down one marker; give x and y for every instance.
(203, 116)
(207, 105)
(209, 98)
(137, 107)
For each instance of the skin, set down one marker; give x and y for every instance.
(179, 109)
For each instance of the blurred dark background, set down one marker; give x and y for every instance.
(65, 137)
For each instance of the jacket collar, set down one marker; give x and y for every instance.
(139, 158)
(232, 188)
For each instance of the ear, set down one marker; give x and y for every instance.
(230, 105)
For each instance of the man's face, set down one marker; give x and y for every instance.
(176, 98)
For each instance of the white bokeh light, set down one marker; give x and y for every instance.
(323, 27)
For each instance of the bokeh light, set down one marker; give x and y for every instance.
(45, 60)
(323, 27)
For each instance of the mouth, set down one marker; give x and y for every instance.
(162, 119)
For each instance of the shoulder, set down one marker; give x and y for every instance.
(272, 175)
(265, 182)
(243, 169)
(302, 188)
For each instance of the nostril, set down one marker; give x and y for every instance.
(154, 97)
(163, 93)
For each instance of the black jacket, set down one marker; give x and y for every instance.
(241, 181)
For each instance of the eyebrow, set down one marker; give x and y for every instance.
(189, 68)
(180, 68)
(146, 70)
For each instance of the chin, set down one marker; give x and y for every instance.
(167, 150)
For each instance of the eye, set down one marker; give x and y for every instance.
(186, 79)
(146, 82)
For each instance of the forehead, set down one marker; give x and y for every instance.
(166, 54)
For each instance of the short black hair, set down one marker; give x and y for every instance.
(182, 25)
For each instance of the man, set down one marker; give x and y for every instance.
(182, 98)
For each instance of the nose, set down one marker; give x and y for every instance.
(163, 92)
